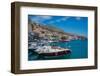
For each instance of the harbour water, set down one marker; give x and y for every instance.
(79, 50)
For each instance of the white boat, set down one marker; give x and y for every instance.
(52, 41)
(52, 51)
(32, 46)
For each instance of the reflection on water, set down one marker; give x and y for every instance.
(79, 49)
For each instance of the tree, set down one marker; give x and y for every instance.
(64, 37)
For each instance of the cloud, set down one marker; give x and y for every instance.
(40, 19)
(78, 18)
(58, 20)
(65, 18)
(51, 22)
(62, 19)
(54, 21)
(45, 17)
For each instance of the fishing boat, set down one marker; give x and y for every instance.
(52, 51)
(51, 41)
(32, 46)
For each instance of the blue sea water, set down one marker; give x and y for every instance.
(79, 50)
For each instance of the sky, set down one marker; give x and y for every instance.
(70, 24)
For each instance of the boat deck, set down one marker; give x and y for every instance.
(49, 49)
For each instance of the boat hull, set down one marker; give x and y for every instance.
(64, 40)
(61, 53)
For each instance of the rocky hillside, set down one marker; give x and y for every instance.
(45, 31)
